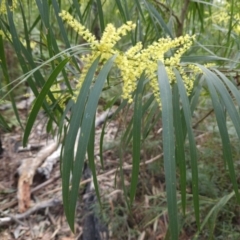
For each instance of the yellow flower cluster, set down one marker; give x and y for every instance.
(156, 51)
(58, 95)
(6, 36)
(3, 35)
(3, 9)
(223, 15)
(104, 47)
(55, 89)
(136, 60)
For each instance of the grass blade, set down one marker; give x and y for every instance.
(212, 215)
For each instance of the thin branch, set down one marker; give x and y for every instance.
(103, 175)
(184, 11)
(211, 111)
(50, 203)
(42, 185)
(170, 11)
(203, 118)
(182, 18)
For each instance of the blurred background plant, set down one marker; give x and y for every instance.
(41, 55)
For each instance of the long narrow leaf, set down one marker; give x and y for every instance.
(220, 117)
(90, 151)
(149, 122)
(192, 144)
(40, 99)
(228, 102)
(168, 149)
(6, 75)
(86, 125)
(137, 120)
(234, 90)
(20, 51)
(152, 18)
(214, 212)
(70, 139)
(152, 10)
(100, 15)
(179, 151)
(120, 8)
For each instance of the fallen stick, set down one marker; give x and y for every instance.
(49, 203)
(51, 160)
(30, 165)
(30, 147)
(44, 184)
(49, 163)
(26, 173)
(101, 176)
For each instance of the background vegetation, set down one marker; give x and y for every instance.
(200, 131)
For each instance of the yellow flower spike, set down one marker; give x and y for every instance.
(131, 53)
(78, 27)
(3, 9)
(109, 36)
(5, 37)
(135, 60)
(122, 31)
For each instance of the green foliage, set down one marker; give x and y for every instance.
(51, 54)
(168, 147)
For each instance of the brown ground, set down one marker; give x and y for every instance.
(46, 223)
(50, 222)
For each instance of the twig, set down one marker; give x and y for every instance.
(10, 218)
(184, 11)
(27, 169)
(211, 111)
(44, 184)
(30, 147)
(169, 10)
(26, 173)
(49, 163)
(124, 167)
(38, 206)
(182, 18)
(51, 160)
(55, 232)
(203, 118)
(101, 176)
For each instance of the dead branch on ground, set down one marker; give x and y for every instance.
(42, 205)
